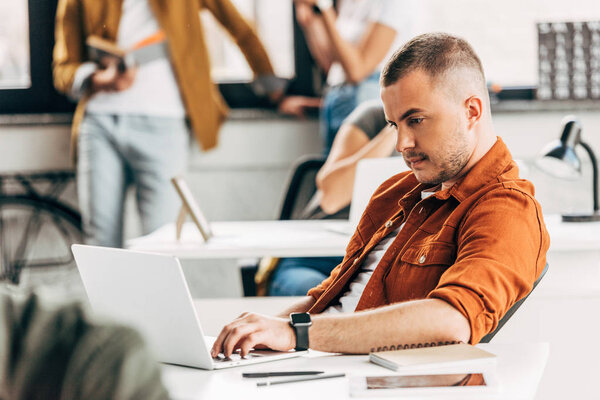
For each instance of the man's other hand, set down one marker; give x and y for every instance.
(110, 79)
(254, 331)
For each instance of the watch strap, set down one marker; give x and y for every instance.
(301, 337)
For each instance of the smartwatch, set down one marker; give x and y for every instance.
(300, 322)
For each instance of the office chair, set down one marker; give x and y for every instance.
(301, 187)
(512, 310)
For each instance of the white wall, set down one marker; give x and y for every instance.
(245, 177)
(503, 33)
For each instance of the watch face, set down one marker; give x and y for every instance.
(300, 318)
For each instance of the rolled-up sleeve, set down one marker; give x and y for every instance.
(502, 244)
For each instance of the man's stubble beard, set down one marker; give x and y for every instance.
(453, 162)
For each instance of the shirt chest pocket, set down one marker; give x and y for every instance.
(430, 254)
(418, 271)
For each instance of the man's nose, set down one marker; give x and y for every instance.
(405, 140)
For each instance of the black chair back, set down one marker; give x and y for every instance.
(301, 186)
(512, 310)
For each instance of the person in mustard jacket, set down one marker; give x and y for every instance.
(132, 126)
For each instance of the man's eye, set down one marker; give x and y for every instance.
(393, 125)
(415, 121)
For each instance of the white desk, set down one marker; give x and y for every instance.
(244, 239)
(566, 301)
(241, 239)
(520, 366)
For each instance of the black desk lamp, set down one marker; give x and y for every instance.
(559, 159)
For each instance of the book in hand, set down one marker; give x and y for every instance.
(475, 385)
(432, 357)
(104, 52)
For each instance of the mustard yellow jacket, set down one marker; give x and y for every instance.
(180, 20)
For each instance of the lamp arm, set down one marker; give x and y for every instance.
(595, 170)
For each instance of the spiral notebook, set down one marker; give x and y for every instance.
(432, 357)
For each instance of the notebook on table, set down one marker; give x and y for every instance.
(424, 371)
(149, 292)
(432, 357)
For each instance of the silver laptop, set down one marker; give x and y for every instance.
(149, 292)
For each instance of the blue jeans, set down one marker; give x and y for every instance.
(296, 276)
(117, 151)
(340, 101)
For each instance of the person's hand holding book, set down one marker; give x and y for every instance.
(112, 79)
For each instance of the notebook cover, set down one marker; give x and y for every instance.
(431, 356)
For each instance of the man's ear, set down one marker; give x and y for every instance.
(474, 110)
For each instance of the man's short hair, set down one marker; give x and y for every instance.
(434, 53)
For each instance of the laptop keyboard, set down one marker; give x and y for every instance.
(236, 357)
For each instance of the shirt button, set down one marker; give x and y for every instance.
(422, 259)
(388, 224)
(355, 260)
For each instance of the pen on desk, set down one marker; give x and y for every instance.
(280, 373)
(310, 378)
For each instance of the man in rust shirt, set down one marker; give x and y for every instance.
(441, 252)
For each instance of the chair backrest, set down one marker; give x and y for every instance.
(301, 186)
(513, 309)
(370, 173)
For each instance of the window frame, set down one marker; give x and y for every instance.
(42, 97)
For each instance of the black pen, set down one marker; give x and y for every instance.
(310, 378)
(281, 373)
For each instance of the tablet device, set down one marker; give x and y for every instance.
(466, 385)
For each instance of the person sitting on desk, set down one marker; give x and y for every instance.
(442, 251)
(364, 134)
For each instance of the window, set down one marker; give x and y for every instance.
(26, 83)
(27, 26)
(14, 45)
(273, 21)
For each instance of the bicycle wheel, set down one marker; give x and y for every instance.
(35, 242)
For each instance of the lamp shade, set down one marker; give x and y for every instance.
(560, 161)
(559, 158)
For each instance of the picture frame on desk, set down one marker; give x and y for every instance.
(190, 206)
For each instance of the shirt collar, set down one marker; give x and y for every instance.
(488, 169)
(430, 191)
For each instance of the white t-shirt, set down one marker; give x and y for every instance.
(354, 17)
(349, 300)
(154, 91)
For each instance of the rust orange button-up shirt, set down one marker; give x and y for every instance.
(479, 245)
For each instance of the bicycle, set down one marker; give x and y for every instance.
(37, 228)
